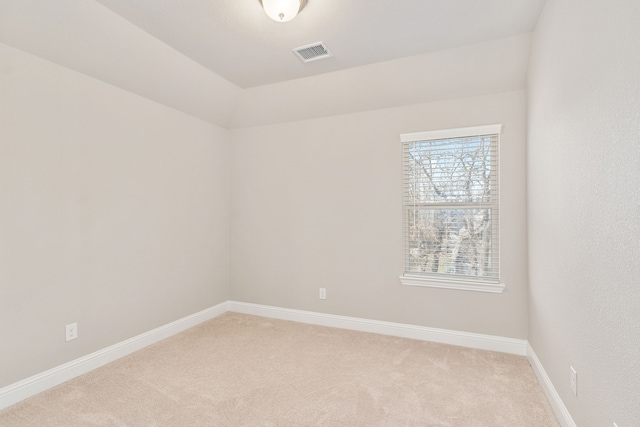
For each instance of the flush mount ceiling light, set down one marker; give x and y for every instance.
(282, 10)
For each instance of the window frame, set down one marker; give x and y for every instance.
(441, 280)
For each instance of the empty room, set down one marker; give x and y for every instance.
(320, 213)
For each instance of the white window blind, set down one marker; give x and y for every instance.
(451, 207)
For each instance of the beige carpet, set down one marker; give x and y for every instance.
(239, 370)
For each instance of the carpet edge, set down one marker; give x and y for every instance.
(38, 383)
(558, 406)
(403, 330)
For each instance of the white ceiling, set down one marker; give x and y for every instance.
(236, 40)
(226, 62)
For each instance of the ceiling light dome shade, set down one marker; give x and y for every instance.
(282, 10)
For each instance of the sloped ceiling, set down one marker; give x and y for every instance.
(86, 37)
(473, 70)
(226, 62)
(235, 39)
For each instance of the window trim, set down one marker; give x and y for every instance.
(446, 282)
(451, 133)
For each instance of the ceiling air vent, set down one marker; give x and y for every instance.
(312, 52)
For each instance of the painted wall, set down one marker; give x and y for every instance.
(114, 214)
(317, 203)
(584, 205)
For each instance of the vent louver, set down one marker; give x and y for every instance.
(312, 52)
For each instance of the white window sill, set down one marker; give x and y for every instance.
(430, 282)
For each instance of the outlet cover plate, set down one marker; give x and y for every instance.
(573, 381)
(71, 331)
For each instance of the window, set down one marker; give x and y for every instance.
(451, 209)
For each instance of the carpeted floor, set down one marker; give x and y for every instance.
(240, 370)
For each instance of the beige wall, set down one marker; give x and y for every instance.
(317, 203)
(114, 214)
(584, 205)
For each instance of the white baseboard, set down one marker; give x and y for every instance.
(564, 418)
(21, 390)
(445, 336)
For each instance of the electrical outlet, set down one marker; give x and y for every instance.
(573, 381)
(71, 331)
(323, 293)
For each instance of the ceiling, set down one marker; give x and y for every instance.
(226, 62)
(236, 40)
